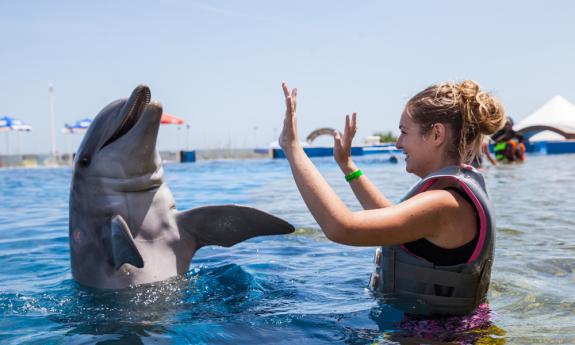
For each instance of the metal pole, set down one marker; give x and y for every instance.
(19, 144)
(187, 137)
(52, 121)
(67, 145)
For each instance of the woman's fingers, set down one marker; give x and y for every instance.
(290, 98)
(336, 139)
(350, 124)
(349, 131)
(352, 127)
(286, 90)
(346, 131)
(289, 106)
(288, 135)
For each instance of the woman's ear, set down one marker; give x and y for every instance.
(438, 134)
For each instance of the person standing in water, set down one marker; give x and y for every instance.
(509, 145)
(477, 162)
(437, 243)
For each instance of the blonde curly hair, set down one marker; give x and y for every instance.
(468, 111)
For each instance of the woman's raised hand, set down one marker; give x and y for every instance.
(288, 137)
(342, 146)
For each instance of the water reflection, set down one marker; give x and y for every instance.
(475, 328)
(292, 289)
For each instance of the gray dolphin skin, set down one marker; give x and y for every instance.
(124, 226)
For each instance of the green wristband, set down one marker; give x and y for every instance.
(353, 176)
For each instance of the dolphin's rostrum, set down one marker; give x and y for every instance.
(124, 226)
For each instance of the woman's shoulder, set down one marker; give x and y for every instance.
(443, 199)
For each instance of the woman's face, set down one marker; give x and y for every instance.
(419, 154)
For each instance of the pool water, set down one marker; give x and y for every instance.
(300, 288)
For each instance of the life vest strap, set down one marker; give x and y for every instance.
(406, 271)
(436, 300)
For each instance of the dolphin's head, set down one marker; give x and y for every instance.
(121, 141)
(117, 182)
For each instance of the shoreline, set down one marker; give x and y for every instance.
(66, 159)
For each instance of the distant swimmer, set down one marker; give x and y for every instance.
(509, 145)
(436, 245)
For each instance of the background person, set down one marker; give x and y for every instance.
(437, 243)
(520, 150)
(509, 145)
(477, 161)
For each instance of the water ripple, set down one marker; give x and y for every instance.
(283, 289)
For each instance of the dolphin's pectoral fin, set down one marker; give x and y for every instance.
(124, 249)
(230, 224)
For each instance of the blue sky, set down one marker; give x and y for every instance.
(219, 64)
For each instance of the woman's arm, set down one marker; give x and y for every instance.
(326, 207)
(365, 191)
(424, 215)
(435, 215)
(485, 149)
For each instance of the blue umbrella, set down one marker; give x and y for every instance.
(8, 123)
(79, 126)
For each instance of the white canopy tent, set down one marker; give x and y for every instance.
(557, 113)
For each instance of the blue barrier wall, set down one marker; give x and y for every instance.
(548, 147)
(559, 147)
(318, 152)
(187, 156)
(379, 149)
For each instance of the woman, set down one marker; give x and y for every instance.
(437, 243)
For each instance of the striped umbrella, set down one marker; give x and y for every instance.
(79, 126)
(8, 123)
(168, 119)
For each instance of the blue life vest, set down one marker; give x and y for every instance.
(419, 287)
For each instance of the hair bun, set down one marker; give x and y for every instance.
(481, 110)
(468, 90)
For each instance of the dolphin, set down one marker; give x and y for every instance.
(124, 228)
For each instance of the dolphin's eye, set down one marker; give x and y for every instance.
(85, 161)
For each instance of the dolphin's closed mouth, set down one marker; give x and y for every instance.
(136, 104)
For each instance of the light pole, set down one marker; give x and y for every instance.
(187, 137)
(52, 121)
(255, 137)
(7, 144)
